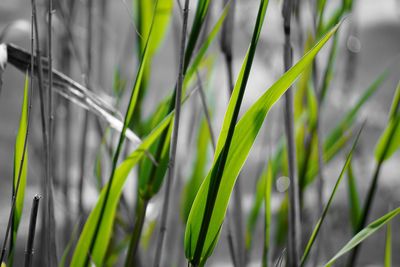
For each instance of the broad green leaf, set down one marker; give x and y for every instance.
(19, 175)
(354, 198)
(364, 234)
(389, 142)
(119, 179)
(162, 17)
(203, 242)
(388, 246)
(244, 136)
(328, 204)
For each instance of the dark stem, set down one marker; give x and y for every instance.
(294, 206)
(52, 253)
(31, 234)
(174, 139)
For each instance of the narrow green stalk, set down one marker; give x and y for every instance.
(174, 139)
(31, 234)
(294, 233)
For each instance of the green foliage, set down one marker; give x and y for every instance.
(20, 168)
(243, 138)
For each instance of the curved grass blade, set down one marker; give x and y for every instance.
(203, 241)
(364, 234)
(120, 177)
(72, 91)
(20, 172)
(328, 204)
(243, 138)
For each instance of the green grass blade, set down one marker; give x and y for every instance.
(328, 204)
(389, 142)
(268, 215)
(105, 231)
(243, 138)
(388, 246)
(354, 198)
(199, 18)
(19, 180)
(204, 242)
(364, 234)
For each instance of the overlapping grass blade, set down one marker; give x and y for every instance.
(20, 169)
(364, 234)
(328, 204)
(103, 213)
(120, 177)
(243, 138)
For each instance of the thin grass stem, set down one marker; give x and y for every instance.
(174, 139)
(294, 206)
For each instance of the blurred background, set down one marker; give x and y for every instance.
(369, 44)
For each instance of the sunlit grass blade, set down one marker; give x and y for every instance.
(105, 231)
(202, 246)
(364, 234)
(328, 204)
(243, 138)
(354, 198)
(20, 169)
(388, 246)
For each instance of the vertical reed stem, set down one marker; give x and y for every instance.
(294, 207)
(29, 251)
(174, 139)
